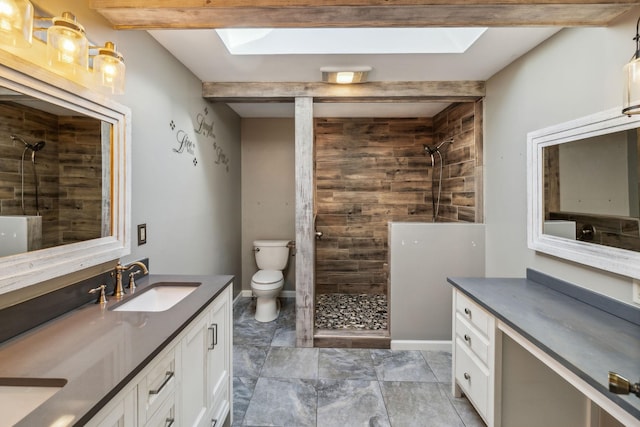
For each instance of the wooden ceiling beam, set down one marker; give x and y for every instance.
(159, 14)
(441, 91)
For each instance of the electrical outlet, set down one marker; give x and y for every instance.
(636, 291)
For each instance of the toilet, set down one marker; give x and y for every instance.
(267, 282)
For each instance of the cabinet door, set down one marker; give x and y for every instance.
(219, 357)
(194, 373)
(120, 412)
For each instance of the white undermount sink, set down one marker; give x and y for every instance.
(20, 396)
(159, 297)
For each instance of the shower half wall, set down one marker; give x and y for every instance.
(370, 171)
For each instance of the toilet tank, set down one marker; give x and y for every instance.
(271, 254)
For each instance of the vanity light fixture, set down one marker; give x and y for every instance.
(67, 47)
(631, 101)
(109, 69)
(16, 23)
(346, 75)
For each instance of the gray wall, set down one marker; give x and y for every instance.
(575, 73)
(191, 211)
(422, 256)
(268, 189)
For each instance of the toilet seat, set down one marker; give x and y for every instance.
(267, 277)
(266, 280)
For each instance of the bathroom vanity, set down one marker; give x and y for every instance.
(522, 347)
(132, 368)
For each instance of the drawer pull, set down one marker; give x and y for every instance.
(467, 338)
(467, 376)
(467, 312)
(169, 422)
(167, 377)
(214, 422)
(214, 335)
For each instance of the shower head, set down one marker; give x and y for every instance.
(436, 149)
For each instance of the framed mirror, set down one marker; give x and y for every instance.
(584, 191)
(64, 178)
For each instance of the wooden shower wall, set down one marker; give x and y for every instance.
(369, 171)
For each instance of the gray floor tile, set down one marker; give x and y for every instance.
(440, 364)
(463, 407)
(284, 337)
(350, 403)
(394, 365)
(346, 364)
(418, 404)
(282, 402)
(286, 362)
(277, 384)
(252, 332)
(248, 360)
(242, 392)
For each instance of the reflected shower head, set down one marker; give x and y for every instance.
(38, 146)
(33, 147)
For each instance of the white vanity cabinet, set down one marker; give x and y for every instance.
(187, 384)
(474, 356)
(206, 366)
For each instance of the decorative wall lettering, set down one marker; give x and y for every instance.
(206, 128)
(185, 144)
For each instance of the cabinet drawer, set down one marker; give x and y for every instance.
(473, 313)
(165, 417)
(472, 377)
(477, 343)
(156, 386)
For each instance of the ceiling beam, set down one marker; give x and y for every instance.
(441, 91)
(159, 14)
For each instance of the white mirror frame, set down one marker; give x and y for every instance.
(21, 270)
(620, 261)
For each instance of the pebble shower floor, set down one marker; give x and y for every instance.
(345, 311)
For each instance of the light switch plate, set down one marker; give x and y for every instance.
(636, 291)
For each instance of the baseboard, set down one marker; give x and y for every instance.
(422, 345)
(246, 293)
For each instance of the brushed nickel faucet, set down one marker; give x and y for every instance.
(119, 292)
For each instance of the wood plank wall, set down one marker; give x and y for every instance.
(370, 171)
(67, 168)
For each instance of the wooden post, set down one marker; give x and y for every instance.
(305, 233)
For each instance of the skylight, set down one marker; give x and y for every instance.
(321, 41)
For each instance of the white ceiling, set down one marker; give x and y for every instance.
(202, 52)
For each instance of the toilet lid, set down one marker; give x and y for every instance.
(267, 276)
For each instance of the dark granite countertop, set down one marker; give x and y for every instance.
(98, 351)
(585, 339)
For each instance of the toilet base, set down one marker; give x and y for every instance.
(267, 309)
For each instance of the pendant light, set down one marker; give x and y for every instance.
(67, 45)
(631, 101)
(109, 69)
(16, 23)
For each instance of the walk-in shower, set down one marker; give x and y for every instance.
(439, 151)
(34, 148)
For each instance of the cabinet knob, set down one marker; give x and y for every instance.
(467, 338)
(214, 422)
(467, 376)
(467, 312)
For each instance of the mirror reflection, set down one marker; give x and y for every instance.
(54, 175)
(591, 190)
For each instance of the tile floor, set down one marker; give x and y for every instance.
(276, 384)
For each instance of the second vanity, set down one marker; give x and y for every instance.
(536, 352)
(132, 368)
